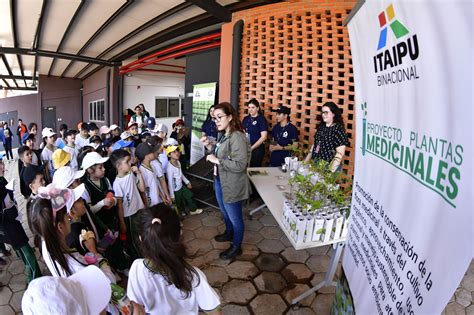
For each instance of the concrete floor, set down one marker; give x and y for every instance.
(263, 280)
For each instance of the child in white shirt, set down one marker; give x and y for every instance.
(49, 139)
(154, 192)
(70, 147)
(181, 195)
(128, 186)
(83, 138)
(164, 282)
(158, 168)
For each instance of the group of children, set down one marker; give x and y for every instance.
(108, 198)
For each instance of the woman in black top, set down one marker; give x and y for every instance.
(330, 139)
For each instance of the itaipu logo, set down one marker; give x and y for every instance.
(398, 29)
(392, 58)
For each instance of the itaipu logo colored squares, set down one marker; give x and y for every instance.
(386, 19)
(395, 64)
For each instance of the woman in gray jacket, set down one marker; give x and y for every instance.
(230, 156)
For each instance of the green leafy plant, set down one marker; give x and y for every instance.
(320, 187)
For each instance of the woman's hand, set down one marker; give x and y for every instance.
(275, 147)
(308, 157)
(212, 158)
(205, 140)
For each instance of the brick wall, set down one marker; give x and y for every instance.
(297, 54)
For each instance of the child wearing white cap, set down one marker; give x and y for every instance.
(114, 130)
(83, 220)
(49, 140)
(99, 192)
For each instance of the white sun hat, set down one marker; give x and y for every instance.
(104, 129)
(65, 176)
(47, 132)
(88, 291)
(91, 159)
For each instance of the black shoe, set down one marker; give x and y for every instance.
(224, 237)
(231, 252)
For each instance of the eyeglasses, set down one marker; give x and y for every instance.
(326, 112)
(218, 118)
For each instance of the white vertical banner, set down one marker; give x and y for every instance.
(411, 226)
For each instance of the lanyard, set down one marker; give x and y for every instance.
(218, 144)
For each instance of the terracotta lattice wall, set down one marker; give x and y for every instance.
(297, 54)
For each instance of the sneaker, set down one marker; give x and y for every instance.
(197, 211)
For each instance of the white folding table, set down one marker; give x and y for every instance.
(268, 186)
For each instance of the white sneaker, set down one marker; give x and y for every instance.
(197, 211)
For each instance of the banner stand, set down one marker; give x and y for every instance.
(410, 230)
(328, 278)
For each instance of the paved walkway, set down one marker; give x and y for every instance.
(263, 280)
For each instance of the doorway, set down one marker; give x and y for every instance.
(48, 117)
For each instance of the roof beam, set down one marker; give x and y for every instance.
(6, 83)
(214, 8)
(167, 34)
(5, 61)
(109, 21)
(21, 88)
(138, 30)
(15, 40)
(16, 77)
(53, 54)
(37, 38)
(185, 27)
(66, 33)
(180, 29)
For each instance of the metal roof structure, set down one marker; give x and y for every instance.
(76, 38)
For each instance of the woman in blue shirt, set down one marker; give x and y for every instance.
(209, 126)
(256, 128)
(284, 137)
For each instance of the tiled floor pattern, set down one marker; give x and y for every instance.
(263, 280)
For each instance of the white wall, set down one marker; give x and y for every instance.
(145, 87)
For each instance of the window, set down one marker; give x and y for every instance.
(97, 110)
(167, 107)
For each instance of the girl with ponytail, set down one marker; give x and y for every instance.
(49, 218)
(164, 282)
